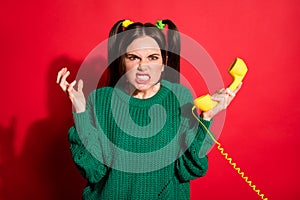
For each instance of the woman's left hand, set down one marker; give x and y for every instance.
(224, 98)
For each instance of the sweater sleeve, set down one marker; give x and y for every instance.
(85, 146)
(193, 163)
(194, 142)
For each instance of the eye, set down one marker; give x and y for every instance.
(132, 57)
(153, 57)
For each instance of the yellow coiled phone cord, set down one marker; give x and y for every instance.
(233, 164)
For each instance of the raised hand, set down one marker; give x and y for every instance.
(224, 98)
(76, 96)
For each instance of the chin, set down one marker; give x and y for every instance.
(142, 87)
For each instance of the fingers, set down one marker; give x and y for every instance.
(229, 92)
(224, 97)
(217, 97)
(233, 93)
(221, 91)
(61, 78)
(225, 91)
(63, 83)
(80, 85)
(70, 90)
(238, 88)
(59, 74)
(71, 86)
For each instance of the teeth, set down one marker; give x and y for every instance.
(143, 77)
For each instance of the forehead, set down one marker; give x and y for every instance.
(143, 43)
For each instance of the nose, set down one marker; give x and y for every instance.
(142, 67)
(143, 64)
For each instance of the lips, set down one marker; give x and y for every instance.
(142, 78)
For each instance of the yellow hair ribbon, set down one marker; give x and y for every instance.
(126, 23)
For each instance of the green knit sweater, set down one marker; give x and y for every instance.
(129, 148)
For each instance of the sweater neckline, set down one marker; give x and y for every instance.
(133, 101)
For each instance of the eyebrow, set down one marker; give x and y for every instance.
(133, 54)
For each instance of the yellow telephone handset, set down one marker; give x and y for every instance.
(237, 70)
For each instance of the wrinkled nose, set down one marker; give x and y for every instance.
(142, 66)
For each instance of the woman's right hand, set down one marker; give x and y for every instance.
(77, 97)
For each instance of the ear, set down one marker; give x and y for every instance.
(162, 68)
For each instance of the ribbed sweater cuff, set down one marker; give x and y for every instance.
(206, 122)
(207, 141)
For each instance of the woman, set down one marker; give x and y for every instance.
(137, 139)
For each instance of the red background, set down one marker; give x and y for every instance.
(260, 131)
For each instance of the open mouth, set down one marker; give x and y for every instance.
(142, 78)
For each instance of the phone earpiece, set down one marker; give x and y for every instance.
(238, 71)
